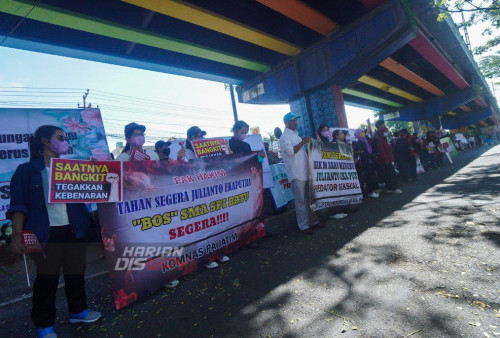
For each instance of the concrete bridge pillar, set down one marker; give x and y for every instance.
(321, 105)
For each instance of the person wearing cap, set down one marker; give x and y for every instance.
(134, 134)
(296, 164)
(163, 151)
(193, 134)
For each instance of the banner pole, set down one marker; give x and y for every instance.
(26, 270)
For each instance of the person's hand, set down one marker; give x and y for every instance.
(112, 178)
(181, 154)
(17, 246)
(306, 139)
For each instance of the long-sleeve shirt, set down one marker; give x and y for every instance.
(296, 164)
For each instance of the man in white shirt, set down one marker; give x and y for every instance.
(297, 168)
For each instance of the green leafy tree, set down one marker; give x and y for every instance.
(269, 138)
(398, 125)
(481, 11)
(490, 65)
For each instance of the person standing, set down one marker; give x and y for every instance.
(193, 134)
(364, 160)
(60, 228)
(163, 151)
(272, 157)
(134, 135)
(385, 159)
(296, 164)
(402, 152)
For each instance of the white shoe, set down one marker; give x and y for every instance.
(224, 259)
(395, 191)
(373, 195)
(345, 215)
(211, 265)
(172, 284)
(337, 216)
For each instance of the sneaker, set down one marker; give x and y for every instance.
(172, 284)
(345, 215)
(224, 259)
(86, 316)
(374, 195)
(398, 191)
(46, 332)
(337, 216)
(378, 191)
(211, 265)
(307, 231)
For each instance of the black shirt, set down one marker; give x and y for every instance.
(238, 146)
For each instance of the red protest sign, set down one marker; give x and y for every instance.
(139, 156)
(210, 147)
(29, 240)
(78, 181)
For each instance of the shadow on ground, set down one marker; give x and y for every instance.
(363, 275)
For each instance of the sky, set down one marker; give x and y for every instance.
(181, 101)
(167, 104)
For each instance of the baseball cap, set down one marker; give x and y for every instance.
(129, 129)
(290, 116)
(195, 130)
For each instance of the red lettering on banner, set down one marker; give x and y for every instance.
(195, 227)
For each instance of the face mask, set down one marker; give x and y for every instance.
(386, 134)
(166, 152)
(137, 141)
(241, 137)
(326, 134)
(362, 135)
(59, 147)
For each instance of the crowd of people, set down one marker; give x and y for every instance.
(62, 228)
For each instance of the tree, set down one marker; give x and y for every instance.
(269, 138)
(481, 11)
(490, 65)
(398, 125)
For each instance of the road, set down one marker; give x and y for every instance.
(424, 263)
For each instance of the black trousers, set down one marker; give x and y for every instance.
(388, 176)
(63, 251)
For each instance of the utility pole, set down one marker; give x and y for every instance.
(84, 100)
(230, 87)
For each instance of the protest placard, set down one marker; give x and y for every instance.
(175, 217)
(210, 147)
(78, 181)
(334, 180)
(282, 191)
(83, 127)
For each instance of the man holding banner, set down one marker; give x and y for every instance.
(296, 163)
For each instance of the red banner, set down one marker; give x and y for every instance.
(78, 181)
(175, 217)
